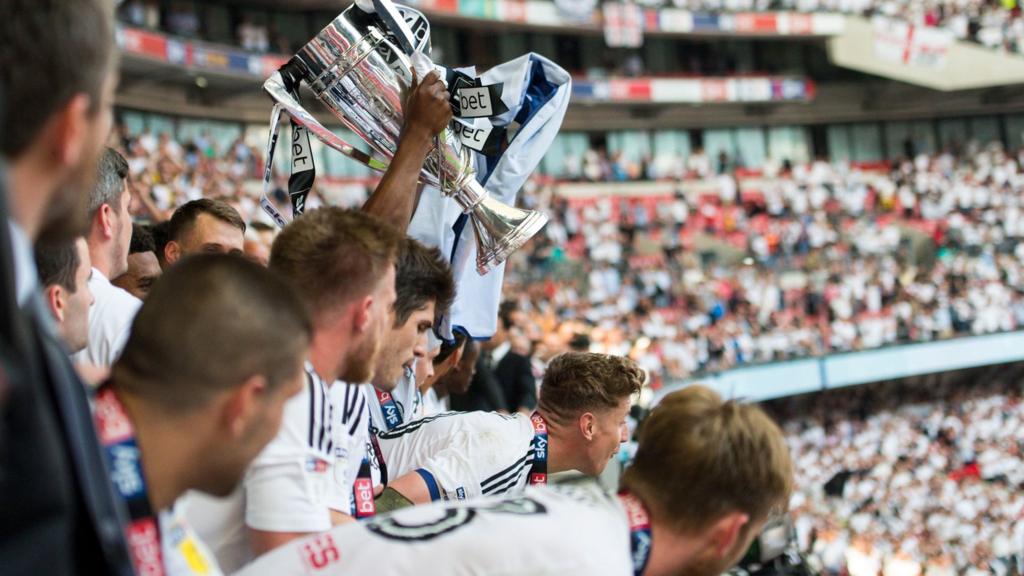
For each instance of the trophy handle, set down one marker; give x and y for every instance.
(275, 87)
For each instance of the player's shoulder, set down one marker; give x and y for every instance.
(304, 422)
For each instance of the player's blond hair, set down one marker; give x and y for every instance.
(701, 457)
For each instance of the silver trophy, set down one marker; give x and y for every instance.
(360, 75)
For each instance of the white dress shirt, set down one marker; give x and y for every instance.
(110, 322)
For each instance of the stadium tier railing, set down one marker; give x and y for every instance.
(793, 377)
(162, 48)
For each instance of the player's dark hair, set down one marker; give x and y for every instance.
(57, 264)
(421, 276)
(184, 218)
(142, 239)
(161, 236)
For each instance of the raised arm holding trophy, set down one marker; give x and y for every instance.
(361, 67)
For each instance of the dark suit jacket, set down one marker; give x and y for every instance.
(484, 391)
(515, 374)
(59, 512)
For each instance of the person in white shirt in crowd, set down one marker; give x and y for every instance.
(425, 289)
(579, 424)
(214, 356)
(110, 232)
(707, 476)
(64, 271)
(917, 477)
(204, 226)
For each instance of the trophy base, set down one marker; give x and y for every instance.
(499, 250)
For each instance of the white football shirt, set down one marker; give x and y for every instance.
(352, 441)
(462, 454)
(405, 401)
(567, 530)
(432, 405)
(110, 322)
(285, 489)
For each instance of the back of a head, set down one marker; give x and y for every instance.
(161, 236)
(333, 256)
(421, 275)
(212, 322)
(701, 457)
(142, 239)
(110, 177)
(580, 382)
(50, 50)
(184, 218)
(57, 264)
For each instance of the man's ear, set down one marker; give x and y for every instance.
(588, 425)
(172, 252)
(54, 296)
(362, 315)
(70, 131)
(242, 404)
(105, 216)
(727, 532)
(456, 357)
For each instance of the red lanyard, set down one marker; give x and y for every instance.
(539, 470)
(639, 531)
(125, 461)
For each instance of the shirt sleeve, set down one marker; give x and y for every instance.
(486, 455)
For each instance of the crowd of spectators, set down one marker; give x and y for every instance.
(807, 260)
(992, 23)
(184, 19)
(997, 24)
(906, 479)
(795, 261)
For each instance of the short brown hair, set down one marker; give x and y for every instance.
(212, 322)
(57, 264)
(421, 275)
(701, 457)
(333, 256)
(50, 51)
(184, 218)
(578, 382)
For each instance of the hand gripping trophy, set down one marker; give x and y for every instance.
(360, 67)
